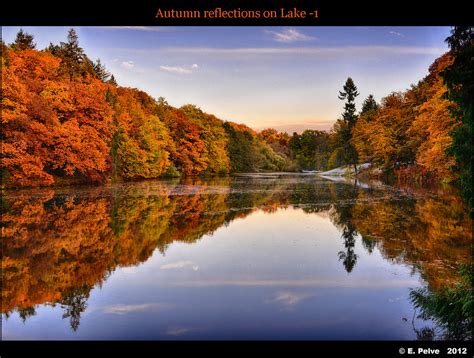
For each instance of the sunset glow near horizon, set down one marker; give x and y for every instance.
(287, 78)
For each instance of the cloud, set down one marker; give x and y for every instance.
(395, 33)
(128, 64)
(331, 52)
(121, 309)
(137, 28)
(288, 35)
(180, 70)
(288, 299)
(180, 265)
(294, 283)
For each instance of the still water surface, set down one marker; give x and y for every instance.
(256, 257)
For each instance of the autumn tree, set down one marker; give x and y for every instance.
(362, 131)
(279, 142)
(390, 140)
(215, 139)
(52, 127)
(434, 124)
(142, 142)
(189, 154)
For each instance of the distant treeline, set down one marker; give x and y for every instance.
(64, 116)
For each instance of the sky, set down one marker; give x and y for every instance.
(287, 78)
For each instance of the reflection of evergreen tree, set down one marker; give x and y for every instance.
(26, 313)
(75, 302)
(348, 257)
(343, 219)
(368, 244)
(451, 308)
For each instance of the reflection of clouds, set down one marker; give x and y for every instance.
(121, 309)
(178, 331)
(288, 299)
(180, 265)
(391, 300)
(344, 283)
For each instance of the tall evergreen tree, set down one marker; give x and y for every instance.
(459, 79)
(369, 105)
(112, 80)
(23, 41)
(100, 71)
(349, 117)
(74, 60)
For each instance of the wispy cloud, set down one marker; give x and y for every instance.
(288, 35)
(128, 64)
(294, 283)
(121, 309)
(308, 51)
(287, 298)
(395, 33)
(180, 265)
(180, 70)
(137, 28)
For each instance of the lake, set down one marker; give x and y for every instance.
(272, 256)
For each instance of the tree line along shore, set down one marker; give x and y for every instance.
(66, 120)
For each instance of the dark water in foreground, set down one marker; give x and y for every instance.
(289, 257)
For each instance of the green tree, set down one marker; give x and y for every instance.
(310, 149)
(112, 81)
(369, 105)
(459, 79)
(23, 41)
(74, 303)
(451, 307)
(240, 148)
(101, 72)
(74, 60)
(349, 117)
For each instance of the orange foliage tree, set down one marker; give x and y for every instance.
(51, 126)
(435, 124)
(190, 155)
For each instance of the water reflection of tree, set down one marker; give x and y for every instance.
(342, 217)
(26, 312)
(58, 245)
(432, 234)
(450, 308)
(74, 302)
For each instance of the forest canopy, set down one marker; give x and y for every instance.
(66, 120)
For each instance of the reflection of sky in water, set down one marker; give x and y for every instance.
(272, 276)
